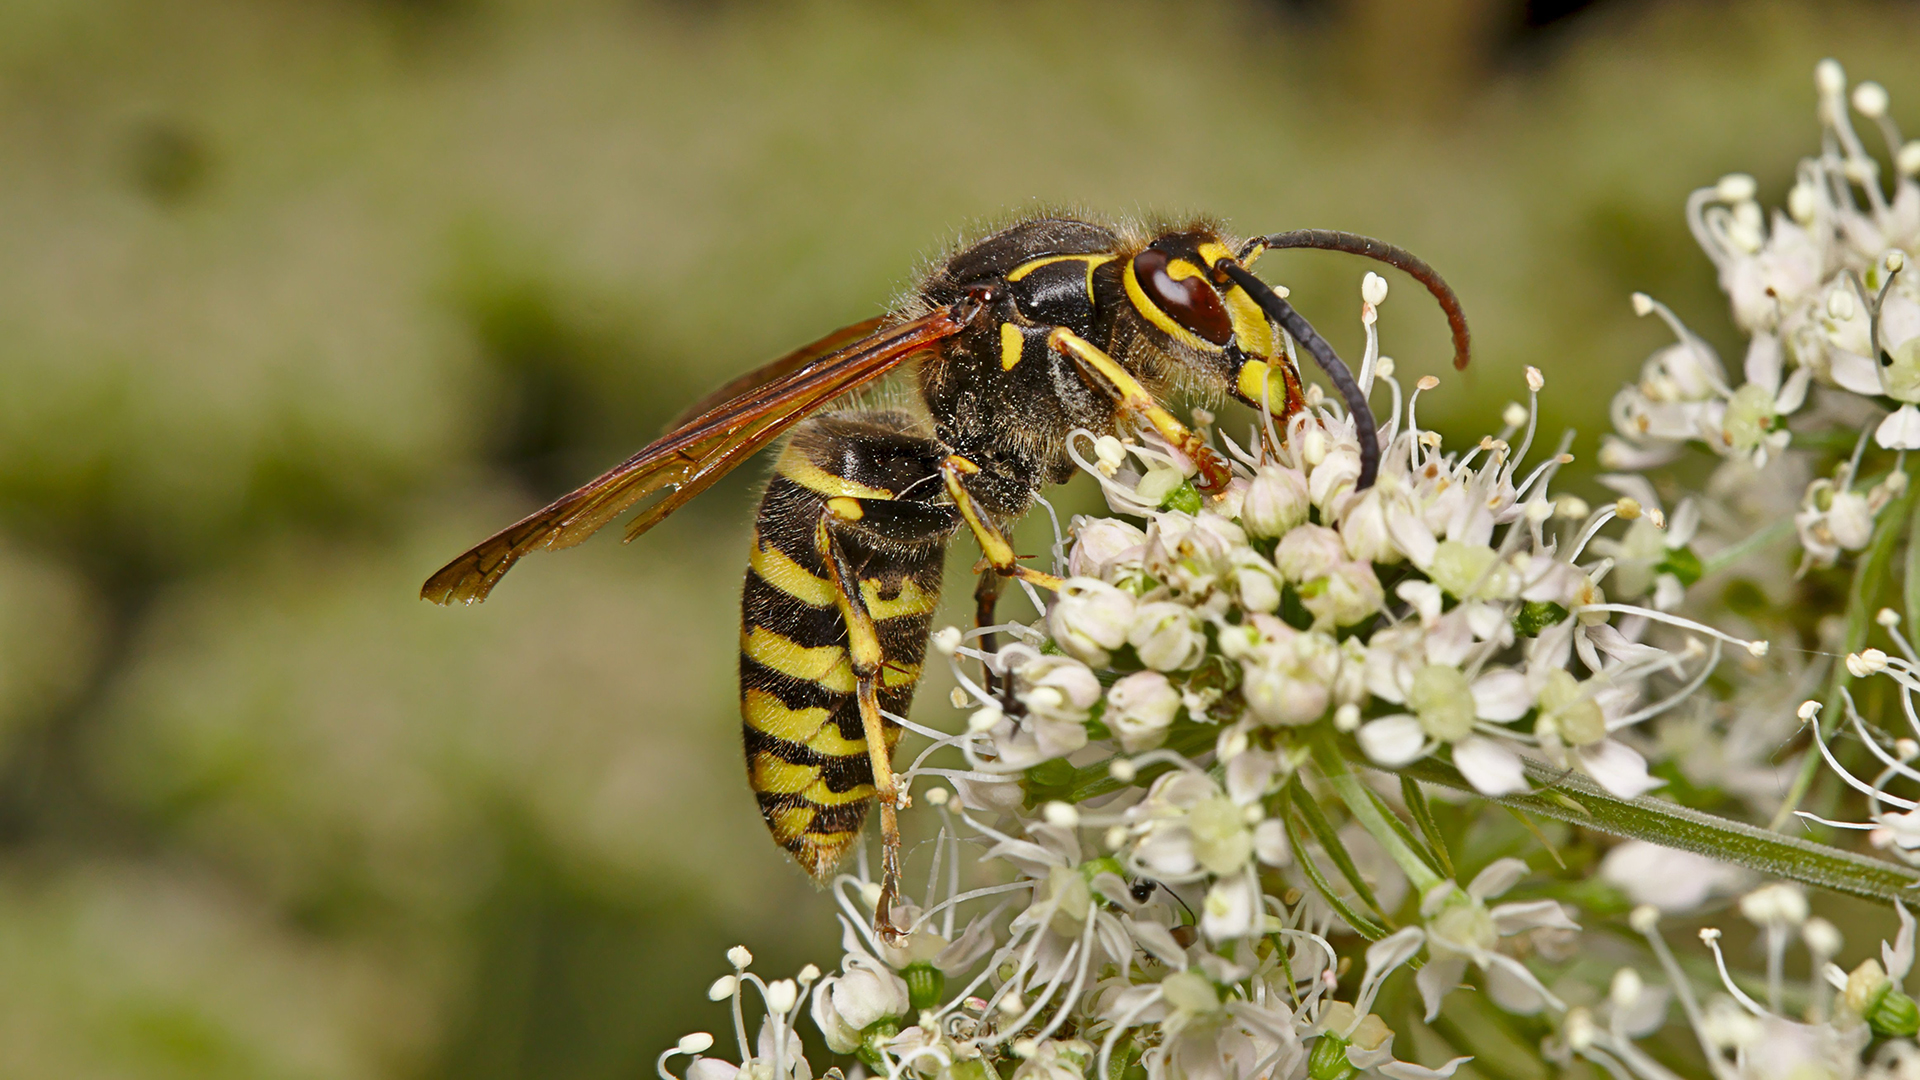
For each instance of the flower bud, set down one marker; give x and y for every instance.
(1140, 708)
(1090, 618)
(1057, 688)
(1256, 581)
(1334, 476)
(1276, 501)
(1308, 552)
(1166, 636)
(1365, 532)
(1103, 545)
(1850, 520)
(1349, 593)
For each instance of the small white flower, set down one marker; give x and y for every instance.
(1140, 708)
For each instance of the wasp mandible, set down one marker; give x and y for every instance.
(1048, 325)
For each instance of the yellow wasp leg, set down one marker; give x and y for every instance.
(1214, 473)
(993, 543)
(867, 659)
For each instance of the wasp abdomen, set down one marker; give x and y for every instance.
(840, 483)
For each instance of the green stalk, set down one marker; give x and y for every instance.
(1779, 530)
(1911, 592)
(1869, 576)
(1323, 831)
(1360, 803)
(1573, 798)
(1360, 923)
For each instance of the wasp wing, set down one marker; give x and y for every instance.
(690, 458)
(786, 365)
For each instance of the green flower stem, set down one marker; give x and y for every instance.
(1911, 593)
(1360, 803)
(1779, 530)
(1869, 575)
(1577, 800)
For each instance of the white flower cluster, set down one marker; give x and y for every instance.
(1824, 290)
(1165, 850)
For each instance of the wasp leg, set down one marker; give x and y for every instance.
(1131, 396)
(868, 660)
(993, 543)
(986, 598)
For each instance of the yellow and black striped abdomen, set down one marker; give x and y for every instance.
(806, 748)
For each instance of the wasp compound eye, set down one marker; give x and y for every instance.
(1180, 289)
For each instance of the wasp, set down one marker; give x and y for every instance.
(1047, 326)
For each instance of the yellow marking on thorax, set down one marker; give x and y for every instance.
(910, 601)
(845, 509)
(796, 467)
(779, 570)
(824, 664)
(808, 727)
(1031, 265)
(1011, 344)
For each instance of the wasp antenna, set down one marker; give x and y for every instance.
(1303, 332)
(1397, 257)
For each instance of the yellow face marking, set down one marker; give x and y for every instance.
(910, 601)
(845, 509)
(778, 570)
(1010, 345)
(825, 664)
(795, 466)
(1251, 331)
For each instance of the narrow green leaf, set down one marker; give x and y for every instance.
(1323, 831)
(1675, 826)
(1361, 925)
(1416, 800)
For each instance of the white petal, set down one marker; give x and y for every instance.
(1512, 994)
(1854, 372)
(1158, 941)
(1498, 877)
(1794, 394)
(1617, 767)
(1510, 919)
(1513, 987)
(1501, 695)
(1392, 951)
(1392, 740)
(1898, 957)
(1434, 980)
(1491, 768)
(1406, 1070)
(1683, 524)
(1425, 597)
(1763, 362)
(1901, 431)
(1412, 536)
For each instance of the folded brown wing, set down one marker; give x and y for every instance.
(786, 365)
(690, 458)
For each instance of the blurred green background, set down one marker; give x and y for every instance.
(300, 297)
